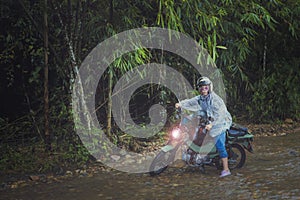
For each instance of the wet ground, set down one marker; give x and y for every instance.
(272, 172)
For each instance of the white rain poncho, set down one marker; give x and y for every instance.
(215, 108)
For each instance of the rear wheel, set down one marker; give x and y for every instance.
(160, 163)
(236, 157)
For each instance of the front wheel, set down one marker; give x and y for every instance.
(236, 157)
(160, 163)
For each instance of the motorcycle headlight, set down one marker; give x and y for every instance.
(176, 133)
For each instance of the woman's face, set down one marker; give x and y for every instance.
(204, 90)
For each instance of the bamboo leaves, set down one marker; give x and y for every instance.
(254, 43)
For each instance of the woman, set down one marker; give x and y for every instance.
(216, 109)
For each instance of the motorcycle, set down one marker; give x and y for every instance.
(198, 148)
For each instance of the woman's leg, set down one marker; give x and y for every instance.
(220, 145)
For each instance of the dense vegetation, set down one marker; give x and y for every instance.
(255, 44)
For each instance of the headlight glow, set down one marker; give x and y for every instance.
(176, 133)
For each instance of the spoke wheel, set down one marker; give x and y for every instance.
(236, 157)
(160, 163)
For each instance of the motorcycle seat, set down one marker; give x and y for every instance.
(237, 130)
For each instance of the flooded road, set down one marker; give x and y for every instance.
(272, 172)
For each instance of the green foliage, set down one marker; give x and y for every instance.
(254, 43)
(277, 95)
(23, 150)
(34, 159)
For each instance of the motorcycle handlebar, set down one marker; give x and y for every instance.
(202, 121)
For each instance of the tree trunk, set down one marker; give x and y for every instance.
(264, 55)
(109, 109)
(110, 83)
(74, 66)
(46, 80)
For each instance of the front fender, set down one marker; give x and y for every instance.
(167, 148)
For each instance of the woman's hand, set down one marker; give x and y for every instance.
(177, 105)
(208, 127)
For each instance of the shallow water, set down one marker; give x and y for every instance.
(272, 172)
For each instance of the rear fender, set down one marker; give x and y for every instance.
(245, 141)
(246, 144)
